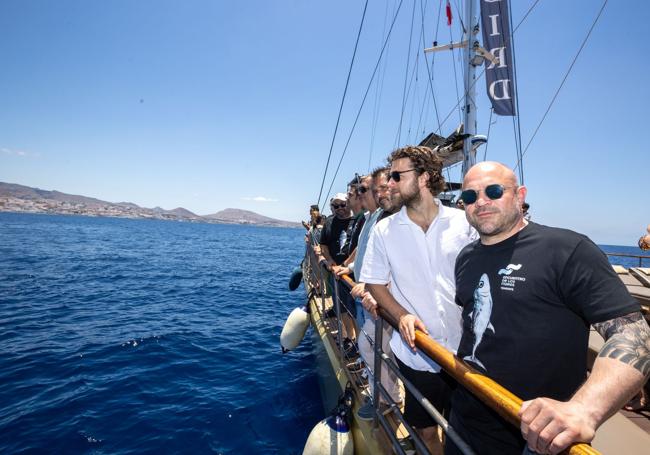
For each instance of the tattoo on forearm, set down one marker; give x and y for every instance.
(627, 340)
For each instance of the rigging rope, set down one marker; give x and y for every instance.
(483, 70)
(413, 84)
(406, 74)
(378, 93)
(345, 91)
(488, 134)
(425, 100)
(516, 119)
(584, 42)
(363, 101)
(429, 70)
(433, 58)
(453, 63)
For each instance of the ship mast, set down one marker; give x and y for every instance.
(471, 60)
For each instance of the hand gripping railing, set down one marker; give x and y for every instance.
(498, 398)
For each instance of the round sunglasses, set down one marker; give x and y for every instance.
(397, 175)
(494, 191)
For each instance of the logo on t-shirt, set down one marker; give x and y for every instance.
(508, 270)
(509, 281)
(480, 315)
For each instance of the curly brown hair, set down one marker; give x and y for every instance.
(423, 160)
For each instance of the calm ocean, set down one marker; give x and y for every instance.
(130, 336)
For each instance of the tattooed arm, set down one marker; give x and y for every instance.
(627, 339)
(621, 369)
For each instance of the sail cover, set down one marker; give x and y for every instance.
(449, 149)
(496, 39)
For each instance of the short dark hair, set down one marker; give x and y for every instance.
(423, 160)
(376, 172)
(314, 207)
(355, 181)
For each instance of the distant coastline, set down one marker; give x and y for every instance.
(24, 199)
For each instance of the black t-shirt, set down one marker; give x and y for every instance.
(527, 304)
(334, 236)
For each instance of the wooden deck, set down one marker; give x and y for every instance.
(637, 282)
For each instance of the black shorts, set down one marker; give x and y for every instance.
(436, 387)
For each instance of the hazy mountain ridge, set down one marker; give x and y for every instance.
(21, 198)
(239, 216)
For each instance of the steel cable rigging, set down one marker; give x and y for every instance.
(584, 42)
(338, 119)
(363, 101)
(406, 74)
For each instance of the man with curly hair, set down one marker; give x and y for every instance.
(415, 250)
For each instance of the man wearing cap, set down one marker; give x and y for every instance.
(332, 241)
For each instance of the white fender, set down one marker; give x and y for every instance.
(330, 436)
(294, 329)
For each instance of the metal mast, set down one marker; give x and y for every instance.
(471, 60)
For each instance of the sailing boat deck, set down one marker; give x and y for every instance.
(637, 282)
(336, 372)
(625, 432)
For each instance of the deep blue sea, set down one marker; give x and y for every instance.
(136, 336)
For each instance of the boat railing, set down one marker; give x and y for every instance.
(498, 398)
(321, 277)
(640, 257)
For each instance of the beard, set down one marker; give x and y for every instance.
(410, 196)
(501, 221)
(395, 202)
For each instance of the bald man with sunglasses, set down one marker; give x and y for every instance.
(529, 294)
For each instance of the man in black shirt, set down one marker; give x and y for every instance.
(529, 293)
(332, 241)
(336, 230)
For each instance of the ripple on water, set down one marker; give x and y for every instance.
(124, 336)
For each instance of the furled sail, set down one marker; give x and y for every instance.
(495, 23)
(449, 149)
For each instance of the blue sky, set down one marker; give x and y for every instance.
(215, 104)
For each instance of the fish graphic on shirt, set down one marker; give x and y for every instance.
(343, 237)
(481, 316)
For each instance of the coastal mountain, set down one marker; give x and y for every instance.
(239, 216)
(20, 198)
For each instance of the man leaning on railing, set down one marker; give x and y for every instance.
(529, 293)
(414, 250)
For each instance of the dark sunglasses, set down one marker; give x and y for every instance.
(362, 189)
(494, 191)
(337, 206)
(397, 175)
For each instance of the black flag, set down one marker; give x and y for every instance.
(496, 40)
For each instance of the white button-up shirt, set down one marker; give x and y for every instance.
(420, 269)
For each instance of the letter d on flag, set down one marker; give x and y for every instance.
(496, 37)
